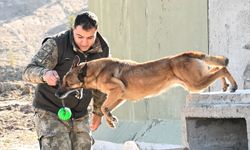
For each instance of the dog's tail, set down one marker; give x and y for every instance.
(211, 60)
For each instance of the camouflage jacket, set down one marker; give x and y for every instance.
(49, 58)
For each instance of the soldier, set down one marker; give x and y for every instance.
(47, 67)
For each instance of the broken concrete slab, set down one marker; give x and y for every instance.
(133, 145)
(151, 131)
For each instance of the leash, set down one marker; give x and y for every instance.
(64, 113)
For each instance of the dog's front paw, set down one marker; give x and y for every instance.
(111, 124)
(114, 119)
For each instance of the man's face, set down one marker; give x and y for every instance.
(84, 39)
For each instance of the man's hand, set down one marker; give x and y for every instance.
(95, 122)
(51, 77)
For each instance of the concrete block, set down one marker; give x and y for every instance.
(217, 121)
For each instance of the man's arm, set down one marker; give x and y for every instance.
(44, 60)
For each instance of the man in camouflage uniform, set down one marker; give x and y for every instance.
(47, 67)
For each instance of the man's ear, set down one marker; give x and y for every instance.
(76, 61)
(83, 72)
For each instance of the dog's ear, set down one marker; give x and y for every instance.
(83, 72)
(76, 61)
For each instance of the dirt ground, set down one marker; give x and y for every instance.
(16, 113)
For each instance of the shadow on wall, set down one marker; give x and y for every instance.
(18, 8)
(246, 74)
(247, 46)
(246, 77)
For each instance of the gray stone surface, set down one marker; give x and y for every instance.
(217, 121)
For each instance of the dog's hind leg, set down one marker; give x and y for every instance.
(224, 84)
(115, 91)
(223, 80)
(234, 85)
(210, 78)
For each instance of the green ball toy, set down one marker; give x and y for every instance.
(64, 113)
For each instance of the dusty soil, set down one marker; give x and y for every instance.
(16, 125)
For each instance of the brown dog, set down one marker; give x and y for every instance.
(123, 79)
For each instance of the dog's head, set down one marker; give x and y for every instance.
(73, 79)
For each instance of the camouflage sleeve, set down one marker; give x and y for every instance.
(45, 59)
(98, 98)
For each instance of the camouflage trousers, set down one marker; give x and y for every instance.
(54, 134)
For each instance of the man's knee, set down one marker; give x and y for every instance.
(81, 136)
(55, 142)
(52, 134)
(82, 140)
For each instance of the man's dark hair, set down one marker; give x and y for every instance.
(87, 20)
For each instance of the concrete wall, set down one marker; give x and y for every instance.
(143, 30)
(229, 34)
